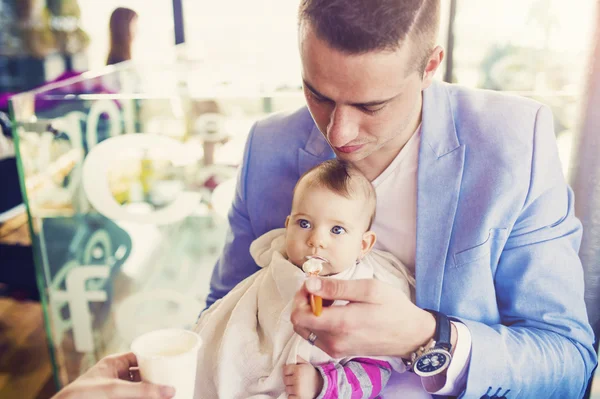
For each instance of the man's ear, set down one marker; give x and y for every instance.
(433, 63)
(287, 221)
(368, 240)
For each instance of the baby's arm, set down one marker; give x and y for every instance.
(302, 380)
(359, 378)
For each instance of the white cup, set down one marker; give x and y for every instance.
(169, 357)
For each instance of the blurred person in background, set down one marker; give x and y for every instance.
(122, 26)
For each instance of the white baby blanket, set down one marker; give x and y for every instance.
(248, 336)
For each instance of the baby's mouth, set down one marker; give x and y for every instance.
(323, 260)
(317, 257)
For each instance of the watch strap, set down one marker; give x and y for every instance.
(442, 330)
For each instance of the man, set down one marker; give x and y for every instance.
(470, 195)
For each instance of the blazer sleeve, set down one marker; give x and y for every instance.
(543, 347)
(235, 262)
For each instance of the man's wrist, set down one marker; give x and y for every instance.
(425, 334)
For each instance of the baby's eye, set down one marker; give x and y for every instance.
(338, 230)
(303, 223)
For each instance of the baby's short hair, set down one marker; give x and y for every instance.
(343, 179)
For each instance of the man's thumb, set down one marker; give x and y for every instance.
(313, 285)
(327, 288)
(363, 290)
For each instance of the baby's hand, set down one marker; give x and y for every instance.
(302, 380)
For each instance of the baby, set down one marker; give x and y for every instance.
(250, 348)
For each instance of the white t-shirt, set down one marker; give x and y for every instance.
(396, 214)
(395, 224)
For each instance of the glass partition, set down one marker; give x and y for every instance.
(128, 175)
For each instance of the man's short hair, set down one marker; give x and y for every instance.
(343, 179)
(360, 26)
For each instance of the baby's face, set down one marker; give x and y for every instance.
(328, 225)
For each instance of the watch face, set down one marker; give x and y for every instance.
(433, 362)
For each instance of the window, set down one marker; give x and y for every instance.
(535, 48)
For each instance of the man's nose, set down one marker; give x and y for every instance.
(342, 127)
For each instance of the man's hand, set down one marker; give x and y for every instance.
(112, 378)
(380, 320)
(302, 380)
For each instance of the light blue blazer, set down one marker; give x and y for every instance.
(497, 239)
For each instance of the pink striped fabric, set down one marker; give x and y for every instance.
(373, 369)
(357, 392)
(367, 384)
(332, 380)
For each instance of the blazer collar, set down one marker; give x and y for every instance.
(438, 130)
(439, 176)
(316, 151)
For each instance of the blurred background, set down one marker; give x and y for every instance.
(106, 233)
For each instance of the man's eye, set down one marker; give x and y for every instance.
(338, 230)
(317, 98)
(373, 110)
(303, 223)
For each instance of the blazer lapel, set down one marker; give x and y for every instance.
(316, 151)
(441, 159)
